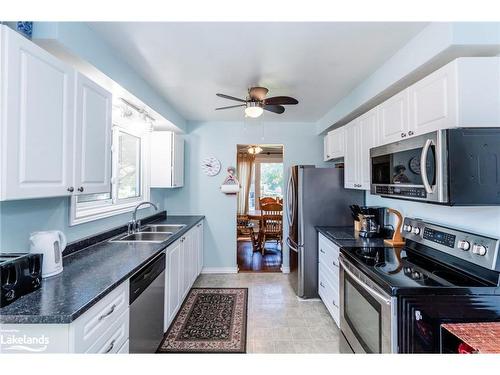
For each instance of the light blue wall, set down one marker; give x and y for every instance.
(19, 218)
(201, 194)
(482, 220)
(80, 40)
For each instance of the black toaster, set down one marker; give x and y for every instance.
(20, 274)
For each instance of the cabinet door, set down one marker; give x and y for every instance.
(351, 155)
(37, 120)
(394, 118)
(335, 144)
(92, 137)
(200, 247)
(433, 102)
(368, 133)
(178, 161)
(172, 288)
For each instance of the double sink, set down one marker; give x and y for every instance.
(153, 233)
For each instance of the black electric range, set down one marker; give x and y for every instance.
(395, 299)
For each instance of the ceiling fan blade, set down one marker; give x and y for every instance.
(231, 106)
(281, 100)
(274, 108)
(231, 98)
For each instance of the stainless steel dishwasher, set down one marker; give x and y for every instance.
(147, 294)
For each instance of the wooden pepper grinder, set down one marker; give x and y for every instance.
(397, 240)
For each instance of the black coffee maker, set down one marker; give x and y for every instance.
(372, 222)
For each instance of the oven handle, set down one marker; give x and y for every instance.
(363, 285)
(423, 166)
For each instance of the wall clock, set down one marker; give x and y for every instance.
(211, 166)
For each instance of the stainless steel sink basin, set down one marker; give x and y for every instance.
(155, 237)
(165, 228)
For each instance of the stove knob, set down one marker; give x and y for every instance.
(415, 230)
(407, 228)
(463, 245)
(479, 250)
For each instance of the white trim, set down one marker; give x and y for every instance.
(121, 206)
(285, 269)
(209, 270)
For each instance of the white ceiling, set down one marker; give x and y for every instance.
(317, 63)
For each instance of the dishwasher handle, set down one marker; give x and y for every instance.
(145, 276)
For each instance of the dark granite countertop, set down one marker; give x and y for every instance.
(88, 276)
(356, 242)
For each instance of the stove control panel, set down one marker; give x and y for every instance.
(480, 250)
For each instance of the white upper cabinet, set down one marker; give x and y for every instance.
(92, 137)
(360, 136)
(334, 144)
(394, 118)
(167, 160)
(37, 120)
(55, 126)
(369, 133)
(433, 102)
(351, 155)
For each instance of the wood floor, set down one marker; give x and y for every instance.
(250, 261)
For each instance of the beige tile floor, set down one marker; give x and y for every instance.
(277, 321)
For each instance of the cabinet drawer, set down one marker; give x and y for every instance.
(97, 320)
(114, 338)
(328, 252)
(328, 290)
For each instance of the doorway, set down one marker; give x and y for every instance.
(259, 220)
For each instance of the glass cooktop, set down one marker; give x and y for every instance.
(403, 268)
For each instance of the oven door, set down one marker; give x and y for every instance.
(413, 169)
(367, 313)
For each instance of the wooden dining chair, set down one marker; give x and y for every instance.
(272, 224)
(266, 200)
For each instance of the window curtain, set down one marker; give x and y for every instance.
(245, 167)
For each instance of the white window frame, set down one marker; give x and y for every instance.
(90, 211)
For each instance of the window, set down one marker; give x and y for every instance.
(128, 166)
(128, 183)
(271, 180)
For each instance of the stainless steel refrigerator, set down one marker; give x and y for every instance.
(315, 197)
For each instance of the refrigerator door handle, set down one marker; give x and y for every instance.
(290, 200)
(292, 245)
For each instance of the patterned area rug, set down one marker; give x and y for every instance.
(211, 320)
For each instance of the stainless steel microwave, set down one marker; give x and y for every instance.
(452, 167)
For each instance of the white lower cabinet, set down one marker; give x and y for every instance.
(104, 328)
(182, 268)
(328, 276)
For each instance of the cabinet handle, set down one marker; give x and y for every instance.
(334, 304)
(71, 189)
(80, 189)
(403, 135)
(321, 284)
(410, 133)
(108, 313)
(111, 346)
(335, 264)
(321, 250)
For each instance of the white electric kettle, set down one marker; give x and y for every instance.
(51, 244)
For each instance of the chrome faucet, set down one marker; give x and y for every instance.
(134, 225)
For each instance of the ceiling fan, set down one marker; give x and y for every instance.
(256, 102)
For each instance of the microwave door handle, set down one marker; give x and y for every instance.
(369, 289)
(423, 166)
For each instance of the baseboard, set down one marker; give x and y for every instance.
(285, 269)
(207, 270)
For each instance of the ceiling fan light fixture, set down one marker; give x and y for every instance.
(253, 150)
(253, 110)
